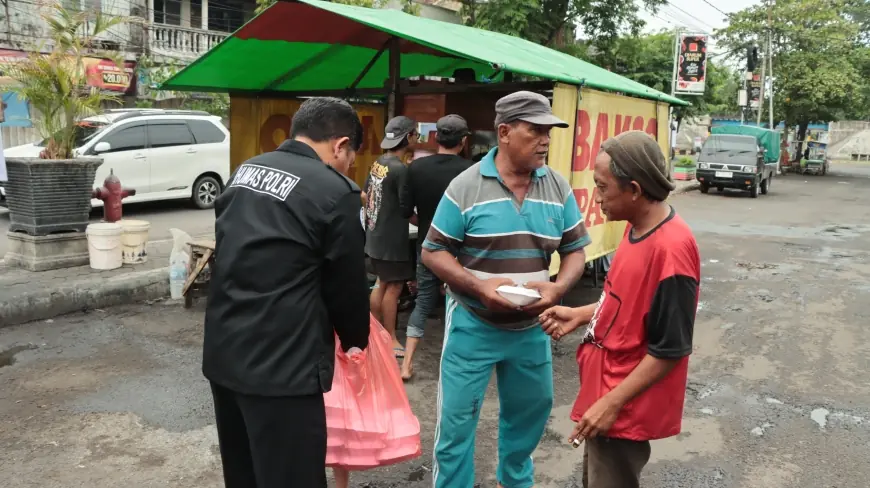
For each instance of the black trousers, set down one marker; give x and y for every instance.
(271, 442)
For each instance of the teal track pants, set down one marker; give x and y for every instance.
(523, 365)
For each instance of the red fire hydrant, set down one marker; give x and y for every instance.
(111, 194)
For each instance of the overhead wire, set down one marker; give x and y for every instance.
(726, 14)
(650, 12)
(674, 18)
(694, 23)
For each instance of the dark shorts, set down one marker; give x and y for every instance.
(614, 463)
(388, 271)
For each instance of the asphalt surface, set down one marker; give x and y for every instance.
(778, 394)
(162, 215)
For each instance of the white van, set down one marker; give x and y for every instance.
(162, 154)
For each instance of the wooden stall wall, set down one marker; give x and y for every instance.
(594, 117)
(562, 142)
(259, 125)
(477, 108)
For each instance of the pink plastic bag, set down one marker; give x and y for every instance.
(368, 417)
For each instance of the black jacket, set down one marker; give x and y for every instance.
(289, 269)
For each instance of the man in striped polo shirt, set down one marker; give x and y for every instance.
(499, 223)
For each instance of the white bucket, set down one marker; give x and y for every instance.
(134, 236)
(104, 245)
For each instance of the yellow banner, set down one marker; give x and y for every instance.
(595, 117)
(260, 125)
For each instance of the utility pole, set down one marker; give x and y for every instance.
(746, 103)
(770, 61)
(761, 94)
(764, 64)
(770, 57)
(676, 60)
(746, 75)
(671, 132)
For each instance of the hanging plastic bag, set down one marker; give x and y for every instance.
(179, 262)
(368, 417)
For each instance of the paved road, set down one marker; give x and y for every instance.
(851, 168)
(162, 215)
(778, 394)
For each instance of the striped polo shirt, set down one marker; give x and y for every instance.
(481, 223)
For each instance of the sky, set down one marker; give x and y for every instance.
(696, 16)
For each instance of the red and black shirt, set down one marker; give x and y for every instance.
(648, 307)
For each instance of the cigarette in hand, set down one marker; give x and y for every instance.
(575, 443)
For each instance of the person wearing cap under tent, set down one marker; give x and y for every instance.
(498, 224)
(428, 178)
(387, 239)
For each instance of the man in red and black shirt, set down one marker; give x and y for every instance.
(635, 353)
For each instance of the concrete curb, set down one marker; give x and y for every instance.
(693, 186)
(123, 289)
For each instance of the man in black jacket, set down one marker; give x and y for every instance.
(289, 273)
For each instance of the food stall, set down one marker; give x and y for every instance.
(390, 63)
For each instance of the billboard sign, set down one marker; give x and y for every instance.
(692, 65)
(755, 91)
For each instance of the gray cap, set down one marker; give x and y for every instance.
(397, 129)
(527, 106)
(452, 125)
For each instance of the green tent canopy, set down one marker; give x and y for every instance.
(310, 45)
(768, 139)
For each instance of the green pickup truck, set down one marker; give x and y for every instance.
(739, 157)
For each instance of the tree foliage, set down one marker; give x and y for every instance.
(858, 11)
(611, 40)
(861, 61)
(649, 59)
(818, 57)
(547, 21)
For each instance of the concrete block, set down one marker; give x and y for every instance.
(43, 253)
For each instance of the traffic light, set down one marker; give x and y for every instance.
(751, 58)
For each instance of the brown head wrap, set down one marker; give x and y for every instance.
(639, 156)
